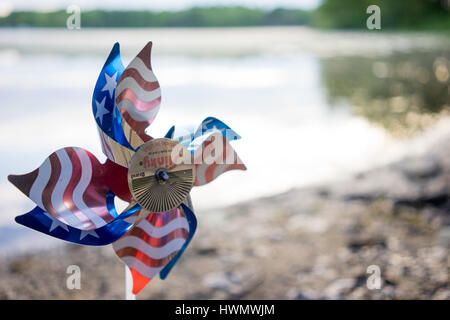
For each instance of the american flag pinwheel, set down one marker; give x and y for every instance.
(74, 193)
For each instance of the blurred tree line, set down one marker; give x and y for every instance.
(194, 17)
(339, 14)
(395, 14)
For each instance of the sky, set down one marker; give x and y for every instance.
(48, 5)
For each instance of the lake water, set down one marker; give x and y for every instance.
(311, 106)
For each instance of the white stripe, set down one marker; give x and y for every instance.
(156, 232)
(140, 267)
(153, 252)
(131, 219)
(40, 183)
(107, 147)
(136, 114)
(86, 174)
(144, 95)
(58, 191)
(145, 72)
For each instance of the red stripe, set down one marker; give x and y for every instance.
(159, 242)
(24, 182)
(206, 150)
(157, 220)
(95, 194)
(140, 105)
(201, 151)
(74, 179)
(55, 166)
(236, 166)
(138, 126)
(161, 219)
(209, 173)
(148, 261)
(145, 55)
(196, 180)
(144, 106)
(135, 74)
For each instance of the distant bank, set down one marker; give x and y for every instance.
(331, 14)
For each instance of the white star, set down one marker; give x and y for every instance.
(215, 128)
(101, 110)
(84, 233)
(56, 223)
(110, 84)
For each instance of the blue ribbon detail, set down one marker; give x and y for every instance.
(112, 208)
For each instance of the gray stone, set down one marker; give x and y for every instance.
(338, 288)
(443, 238)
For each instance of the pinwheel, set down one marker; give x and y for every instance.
(74, 193)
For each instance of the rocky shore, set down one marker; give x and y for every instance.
(309, 243)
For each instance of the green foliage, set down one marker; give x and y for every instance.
(193, 17)
(283, 16)
(336, 14)
(395, 14)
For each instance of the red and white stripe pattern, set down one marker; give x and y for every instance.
(149, 246)
(138, 94)
(70, 187)
(214, 157)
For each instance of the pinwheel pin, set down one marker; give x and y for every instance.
(74, 193)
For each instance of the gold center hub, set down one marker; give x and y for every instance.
(159, 177)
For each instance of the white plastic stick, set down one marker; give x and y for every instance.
(129, 285)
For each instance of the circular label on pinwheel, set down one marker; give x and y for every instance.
(161, 175)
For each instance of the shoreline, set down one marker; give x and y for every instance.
(201, 42)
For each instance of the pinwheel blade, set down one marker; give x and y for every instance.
(109, 120)
(153, 243)
(187, 134)
(211, 124)
(71, 186)
(39, 220)
(116, 179)
(213, 157)
(138, 97)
